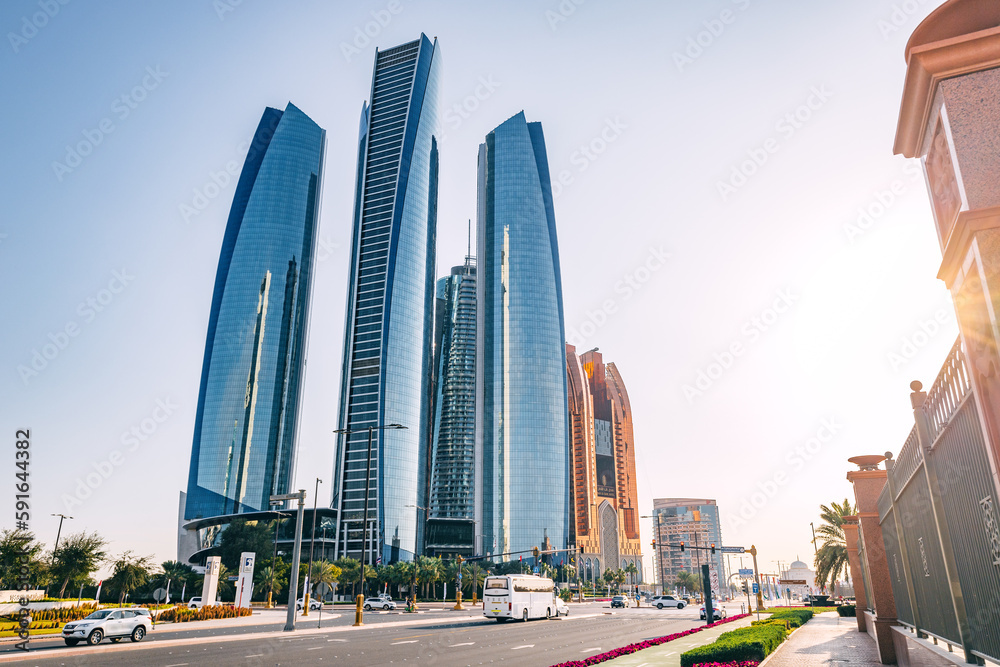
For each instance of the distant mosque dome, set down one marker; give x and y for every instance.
(798, 565)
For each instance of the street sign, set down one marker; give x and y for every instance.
(793, 582)
(537, 570)
(160, 594)
(755, 588)
(746, 572)
(323, 589)
(733, 550)
(289, 496)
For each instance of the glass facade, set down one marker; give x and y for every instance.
(387, 362)
(248, 404)
(453, 438)
(521, 364)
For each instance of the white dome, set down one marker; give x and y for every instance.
(798, 565)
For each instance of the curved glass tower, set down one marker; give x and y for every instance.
(387, 360)
(521, 363)
(248, 404)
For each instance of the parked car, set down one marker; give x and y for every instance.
(314, 604)
(562, 609)
(115, 624)
(718, 611)
(661, 601)
(619, 601)
(196, 603)
(379, 603)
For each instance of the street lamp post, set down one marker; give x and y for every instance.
(659, 546)
(413, 585)
(274, 558)
(293, 579)
(62, 517)
(312, 546)
(364, 518)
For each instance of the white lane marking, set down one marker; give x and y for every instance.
(255, 655)
(588, 650)
(179, 664)
(525, 646)
(336, 640)
(409, 641)
(315, 648)
(462, 644)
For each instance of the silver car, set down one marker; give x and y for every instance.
(379, 603)
(115, 624)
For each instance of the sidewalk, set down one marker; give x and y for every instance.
(826, 639)
(669, 654)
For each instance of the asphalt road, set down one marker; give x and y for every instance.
(458, 638)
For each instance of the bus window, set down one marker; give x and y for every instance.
(494, 583)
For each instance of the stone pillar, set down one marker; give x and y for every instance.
(854, 565)
(868, 482)
(950, 119)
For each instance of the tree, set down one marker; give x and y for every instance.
(78, 556)
(129, 573)
(831, 558)
(262, 578)
(632, 571)
(177, 574)
(242, 535)
(225, 586)
(15, 547)
(688, 581)
(350, 572)
(323, 572)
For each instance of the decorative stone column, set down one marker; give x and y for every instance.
(868, 482)
(950, 119)
(854, 565)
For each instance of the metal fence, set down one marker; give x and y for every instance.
(939, 523)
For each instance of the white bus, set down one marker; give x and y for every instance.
(519, 596)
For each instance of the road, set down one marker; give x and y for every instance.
(437, 638)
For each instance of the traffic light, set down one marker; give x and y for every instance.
(713, 548)
(682, 546)
(745, 587)
(654, 544)
(534, 552)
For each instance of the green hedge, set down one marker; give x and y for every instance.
(847, 610)
(752, 643)
(780, 622)
(795, 617)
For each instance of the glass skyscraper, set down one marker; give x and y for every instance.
(521, 363)
(387, 362)
(450, 526)
(251, 380)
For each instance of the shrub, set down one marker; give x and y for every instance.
(753, 643)
(795, 617)
(847, 610)
(64, 615)
(184, 614)
(781, 622)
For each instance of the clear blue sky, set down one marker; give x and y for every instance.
(664, 129)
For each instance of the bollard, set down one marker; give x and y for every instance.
(358, 613)
(458, 602)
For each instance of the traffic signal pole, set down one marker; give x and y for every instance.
(756, 576)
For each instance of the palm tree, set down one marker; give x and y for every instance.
(224, 585)
(831, 558)
(130, 572)
(177, 574)
(688, 581)
(632, 570)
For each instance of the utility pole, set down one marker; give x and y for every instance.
(756, 574)
(293, 580)
(815, 550)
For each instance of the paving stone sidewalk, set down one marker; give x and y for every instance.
(825, 640)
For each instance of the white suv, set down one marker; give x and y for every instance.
(115, 624)
(661, 601)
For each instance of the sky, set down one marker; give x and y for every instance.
(735, 232)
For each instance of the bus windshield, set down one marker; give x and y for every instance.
(496, 583)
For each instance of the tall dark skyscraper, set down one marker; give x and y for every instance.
(521, 364)
(251, 379)
(387, 362)
(451, 524)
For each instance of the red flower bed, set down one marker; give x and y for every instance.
(649, 643)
